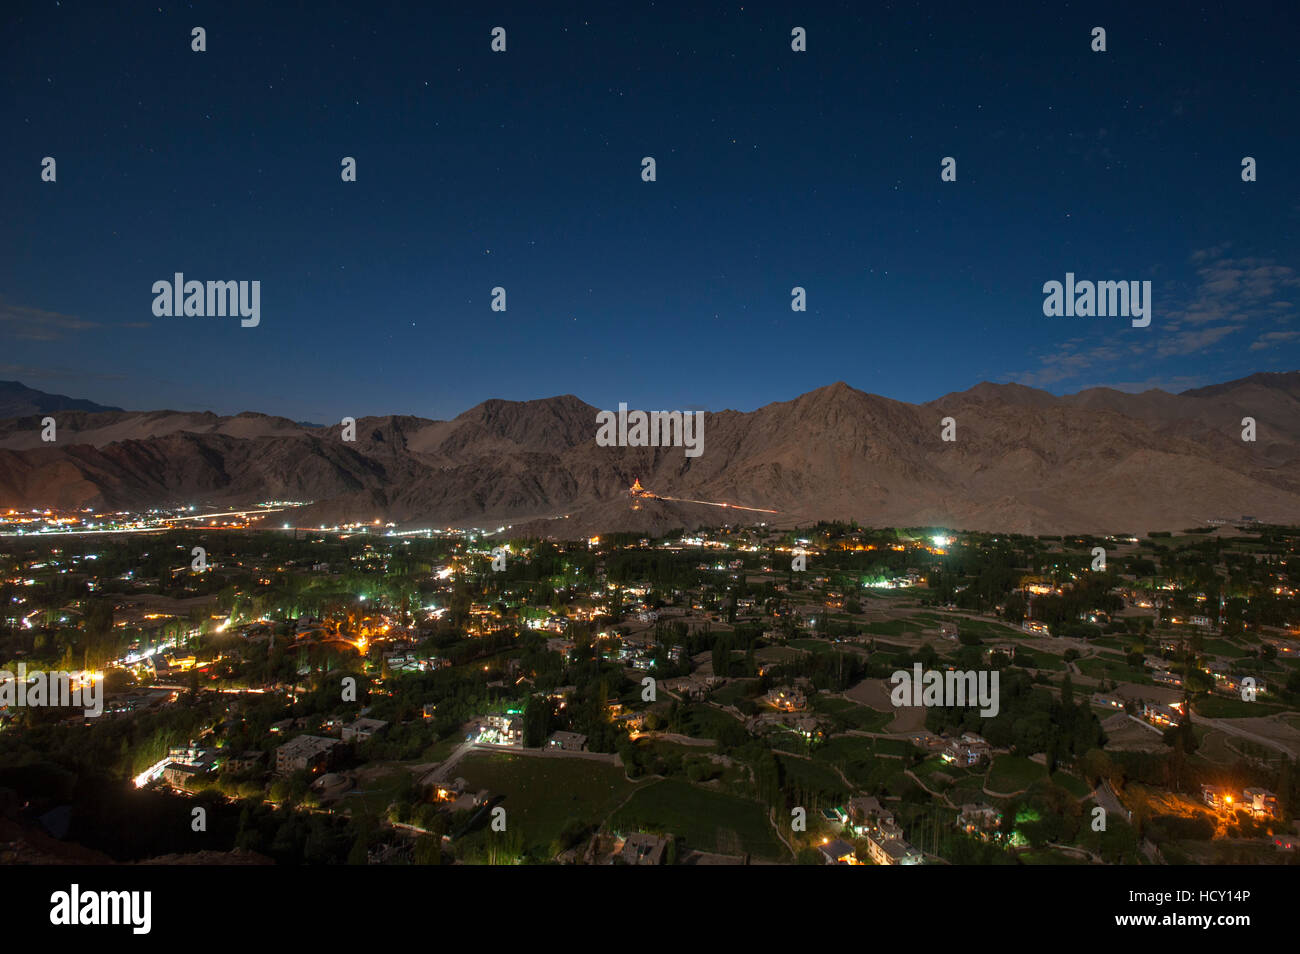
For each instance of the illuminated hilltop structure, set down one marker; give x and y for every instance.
(637, 493)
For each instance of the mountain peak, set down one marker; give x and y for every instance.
(987, 392)
(837, 392)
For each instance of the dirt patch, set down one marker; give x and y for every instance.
(874, 693)
(1123, 734)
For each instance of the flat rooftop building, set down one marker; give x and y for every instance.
(303, 753)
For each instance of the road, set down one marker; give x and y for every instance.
(1107, 799)
(441, 772)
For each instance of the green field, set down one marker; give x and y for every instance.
(1042, 660)
(1221, 647)
(734, 691)
(813, 645)
(814, 779)
(933, 764)
(935, 774)
(1110, 666)
(782, 739)
(1231, 707)
(706, 722)
(439, 751)
(850, 715)
(845, 748)
(858, 758)
(542, 795)
(1072, 784)
(986, 630)
(934, 617)
(709, 821)
(380, 790)
(1013, 773)
(896, 627)
(666, 748)
(899, 747)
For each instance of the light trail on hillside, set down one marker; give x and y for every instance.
(637, 490)
(711, 503)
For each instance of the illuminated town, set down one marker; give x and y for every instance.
(551, 437)
(372, 694)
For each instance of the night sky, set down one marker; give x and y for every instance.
(523, 169)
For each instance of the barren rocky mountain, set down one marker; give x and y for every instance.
(1023, 460)
(18, 399)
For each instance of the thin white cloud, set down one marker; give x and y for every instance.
(35, 324)
(1273, 338)
(1230, 295)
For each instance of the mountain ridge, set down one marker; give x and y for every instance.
(1023, 460)
(17, 399)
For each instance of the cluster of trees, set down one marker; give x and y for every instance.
(1029, 720)
(830, 672)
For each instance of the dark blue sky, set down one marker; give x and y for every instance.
(522, 169)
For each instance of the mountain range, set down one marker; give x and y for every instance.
(17, 400)
(1023, 460)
